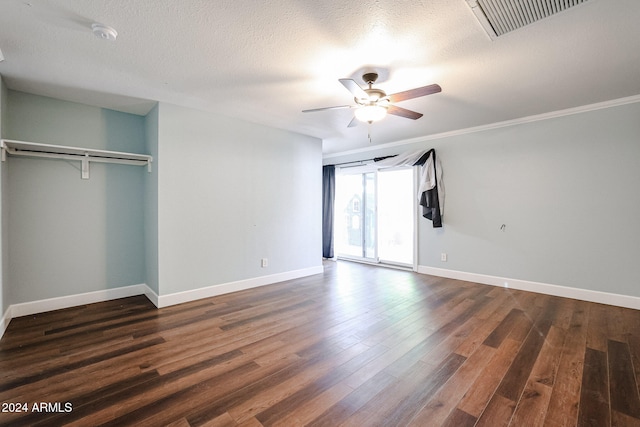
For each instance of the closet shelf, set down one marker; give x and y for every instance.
(84, 155)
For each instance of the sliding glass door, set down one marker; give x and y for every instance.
(374, 217)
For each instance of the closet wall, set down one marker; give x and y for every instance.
(222, 194)
(70, 236)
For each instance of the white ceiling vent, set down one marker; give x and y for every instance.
(498, 17)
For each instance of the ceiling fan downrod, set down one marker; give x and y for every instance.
(370, 78)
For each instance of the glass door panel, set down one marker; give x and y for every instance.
(369, 214)
(348, 233)
(395, 216)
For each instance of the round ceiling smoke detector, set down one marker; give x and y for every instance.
(103, 31)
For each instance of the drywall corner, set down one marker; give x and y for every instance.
(4, 299)
(151, 203)
(4, 321)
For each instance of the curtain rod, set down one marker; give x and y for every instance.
(360, 162)
(421, 161)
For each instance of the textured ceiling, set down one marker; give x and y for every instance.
(266, 61)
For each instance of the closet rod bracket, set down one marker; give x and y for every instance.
(85, 166)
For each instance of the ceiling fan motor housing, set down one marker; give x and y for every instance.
(374, 95)
(370, 78)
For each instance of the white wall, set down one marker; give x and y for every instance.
(66, 235)
(231, 193)
(565, 188)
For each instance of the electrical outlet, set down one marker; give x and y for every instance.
(264, 263)
(443, 257)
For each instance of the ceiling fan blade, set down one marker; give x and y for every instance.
(415, 93)
(403, 112)
(327, 108)
(353, 122)
(354, 88)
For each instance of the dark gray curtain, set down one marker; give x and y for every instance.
(328, 198)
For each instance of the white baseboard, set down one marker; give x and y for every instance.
(151, 296)
(541, 288)
(40, 306)
(240, 285)
(4, 321)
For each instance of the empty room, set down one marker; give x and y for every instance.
(320, 213)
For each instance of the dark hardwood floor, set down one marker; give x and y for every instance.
(356, 346)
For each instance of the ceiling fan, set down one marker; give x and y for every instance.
(374, 104)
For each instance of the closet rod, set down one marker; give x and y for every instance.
(85, 155)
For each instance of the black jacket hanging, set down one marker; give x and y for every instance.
(429, 199)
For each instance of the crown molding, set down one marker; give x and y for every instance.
(497, 125)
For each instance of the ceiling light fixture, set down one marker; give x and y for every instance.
(374, 104)
(371, 113)
(103, 31)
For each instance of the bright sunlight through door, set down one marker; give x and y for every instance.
(374, 218)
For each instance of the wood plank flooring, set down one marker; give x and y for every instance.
(355, 346)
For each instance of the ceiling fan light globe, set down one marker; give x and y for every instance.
(371, 113)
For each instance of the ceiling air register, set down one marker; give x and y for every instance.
(499, 17)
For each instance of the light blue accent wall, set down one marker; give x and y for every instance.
(231, 193)
(67, 235)
(566, 189)
(151, 202)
